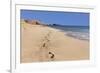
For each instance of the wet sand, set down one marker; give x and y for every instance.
(41, 43)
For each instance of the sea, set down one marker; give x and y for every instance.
(78, 32)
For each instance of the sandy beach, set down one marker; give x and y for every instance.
(42, 43)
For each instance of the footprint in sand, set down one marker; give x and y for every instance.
(52, 56)
(44, 49)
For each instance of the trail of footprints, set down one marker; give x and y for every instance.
(45, 54)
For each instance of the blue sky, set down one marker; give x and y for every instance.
(55, 17)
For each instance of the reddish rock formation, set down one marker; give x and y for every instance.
(33, 22)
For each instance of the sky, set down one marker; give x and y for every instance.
(55, 17)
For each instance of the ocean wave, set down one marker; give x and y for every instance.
(78, 35)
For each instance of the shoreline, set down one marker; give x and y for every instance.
(63, 47)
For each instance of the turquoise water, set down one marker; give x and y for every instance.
(78, 32)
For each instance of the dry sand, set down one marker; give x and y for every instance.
(41, 43)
